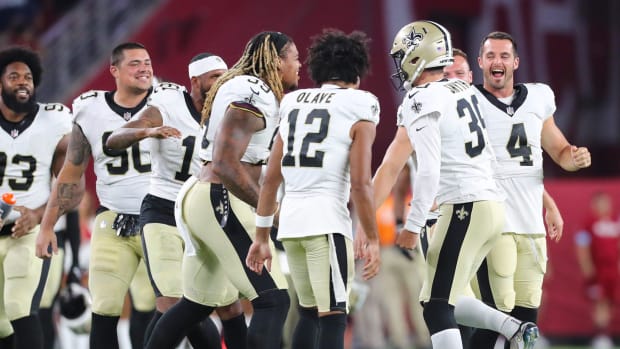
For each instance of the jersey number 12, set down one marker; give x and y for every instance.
(311, 137)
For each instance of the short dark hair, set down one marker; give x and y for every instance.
(118, 51)
(334, 55)
(497, 35)
(201, 56)
(459, 52)
(24, 55)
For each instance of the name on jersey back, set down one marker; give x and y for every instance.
(317, 97)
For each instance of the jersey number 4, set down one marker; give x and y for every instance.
(311, 137)
(517, 145)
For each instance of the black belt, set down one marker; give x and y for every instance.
(6, 229)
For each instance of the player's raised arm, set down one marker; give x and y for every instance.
(149, 124)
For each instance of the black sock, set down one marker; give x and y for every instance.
(267, 324)
(331, 331)
(525, 314)
(7, 342)
(28, 333)
(235, 332)
(205, 335)
(138, 323)
(103, 332)
(483, 339)
(150, 327)
(466, 333)
(173, 325)
(306, 334)
(48, 328)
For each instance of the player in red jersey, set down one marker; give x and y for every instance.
(598, 253)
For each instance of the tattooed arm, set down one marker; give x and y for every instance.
(231, 141)
(67, 191)
(150, 124)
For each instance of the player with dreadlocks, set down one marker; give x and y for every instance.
(216, 208)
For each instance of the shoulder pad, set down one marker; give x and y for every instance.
(366, 105)
(162, 86)
(88, 97)
(89, 94)
(248, 89)
(59, 107)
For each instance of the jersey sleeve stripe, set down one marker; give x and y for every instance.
(247, 107)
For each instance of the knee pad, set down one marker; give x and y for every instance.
(529, 296)
(6, 329)
(439, 316)
(272, 299)
(502, 259)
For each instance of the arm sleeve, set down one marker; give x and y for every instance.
(427, 143)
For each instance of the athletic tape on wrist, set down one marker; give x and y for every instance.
(264, 221)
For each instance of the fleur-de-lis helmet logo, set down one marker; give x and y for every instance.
(412, 39)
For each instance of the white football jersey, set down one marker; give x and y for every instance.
(122, 175)
(515, 133)
(173, 160)
(243, 89)
(26, 155)
(315, 127)
(444, 125)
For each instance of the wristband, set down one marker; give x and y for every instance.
(412, 227)
(264, 221)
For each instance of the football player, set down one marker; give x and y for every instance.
(598, 256)
(217, 206)
(34, 139)
(459, 69)
(440, 120)
(520, 123)
(323, 155)
(172, 123)
(122, 181)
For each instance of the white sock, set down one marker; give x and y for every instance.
(472, 312)
(450, 338)
(499, 344)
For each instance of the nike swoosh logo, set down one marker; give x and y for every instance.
(412, 94)
(420, 128)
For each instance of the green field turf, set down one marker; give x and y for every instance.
(572, 347)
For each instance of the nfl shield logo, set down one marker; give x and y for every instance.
(127, 116)
(14, 133)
